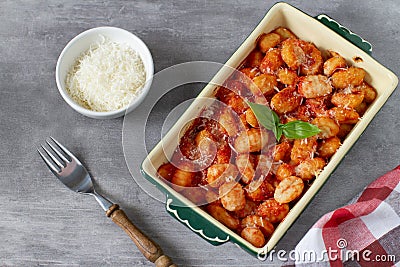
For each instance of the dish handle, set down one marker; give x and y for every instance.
(195, 222)
(345, 33)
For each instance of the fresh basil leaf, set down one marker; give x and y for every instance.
(276, 118)
(270, 120)
(299, 129)
(265, 116)
(278, 133)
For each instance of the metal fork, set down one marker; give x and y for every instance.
(70, 171)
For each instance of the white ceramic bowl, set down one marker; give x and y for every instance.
(80, 44)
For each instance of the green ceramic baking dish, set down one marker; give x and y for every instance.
(326, 34)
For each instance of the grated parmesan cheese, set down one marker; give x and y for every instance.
(107, 77)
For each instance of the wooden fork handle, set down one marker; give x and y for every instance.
(149, 248)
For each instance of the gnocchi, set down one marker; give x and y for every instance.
(327, 126)
(317, 107)
(347, 100)
(182, 177)
(272, 210)
(206, 146)
(328, 147)
(245, 165)
(288, 189)
(369, 92)
(285, 33)
(232, 196)
(166, 171)
(263, 165)
(309, 168)
(258, 191)
(298, 54)
(303, 149)
(254, 236)
(268, 41)
(284, 170)
(344, 130)
(245, 75)
(251, 118)
(223, 216)
(252, 140)
(344, 115)
(282, 151)
(263, 224)
(248, 209)
(228, 122)
(248, 182)
(217, 174)
(352, 76)
(272, 61)
(312, 86)
(361, 109)
(254, 59)
(287, 76)
(264, 83)
(334, 63)
(237, 103)
(286, 100)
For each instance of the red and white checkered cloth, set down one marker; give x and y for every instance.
(368, 228)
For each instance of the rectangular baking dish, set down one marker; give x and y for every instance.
(326, 34)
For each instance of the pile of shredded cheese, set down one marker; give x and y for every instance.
(107, 77)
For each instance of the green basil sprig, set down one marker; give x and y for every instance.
(292, 130)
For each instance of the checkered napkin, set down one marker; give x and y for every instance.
(364, 233)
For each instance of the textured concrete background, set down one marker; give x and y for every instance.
(42, 223)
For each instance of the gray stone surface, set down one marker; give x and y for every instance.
(42, 223)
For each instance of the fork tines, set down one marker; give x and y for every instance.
(55, 155)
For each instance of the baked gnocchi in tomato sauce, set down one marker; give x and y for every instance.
(249, 180)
